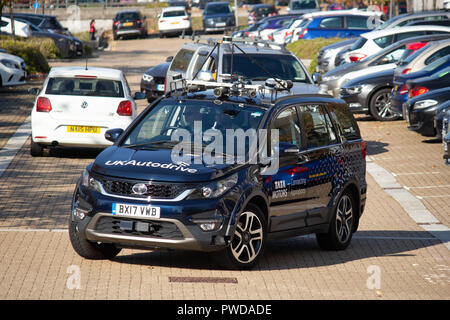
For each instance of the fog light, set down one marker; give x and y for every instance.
(354, 105)
(208, 221)
(211, 226)
(79, 213)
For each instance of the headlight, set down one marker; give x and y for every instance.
(147, 77)
(425, 104)
(89, 182)
(9, 63)
(330, 78)
(214, 189)
(352, 90)
(209, 21)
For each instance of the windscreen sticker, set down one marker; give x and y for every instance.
(180, 166)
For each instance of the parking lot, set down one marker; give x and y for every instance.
(401, 250)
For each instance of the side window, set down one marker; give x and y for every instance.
(407, 35)
(317, 124)
(345, 122)
(392, 56)
(383, 42)
(182, 60)
(436, 18)
(331, 23)
(438, 54)
(357, 22)
(286, 122)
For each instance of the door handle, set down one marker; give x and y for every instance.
(302, 158)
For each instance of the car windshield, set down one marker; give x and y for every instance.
(217, 9)
(79, 86)
(281, 66)
(162, 125)
(128, 16)
(170, 14)
(304, 4)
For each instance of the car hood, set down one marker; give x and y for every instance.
(156, 165)
(370, 70)
(343, 69)
(374, 78)
(17, 59)
(160, 70)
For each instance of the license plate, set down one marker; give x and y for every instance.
(160, 87)
(83, 129)
(128, 24)
(132, 210)
(175, 22)
(221, 24)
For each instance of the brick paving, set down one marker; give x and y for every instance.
(38, 262)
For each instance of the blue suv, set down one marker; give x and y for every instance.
(136, 195)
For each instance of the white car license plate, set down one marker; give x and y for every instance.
(221, 24)
(131, 210)
(160, 87)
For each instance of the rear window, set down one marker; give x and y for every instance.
(438, 54)
(91, 87)
(182, 60)
(436, 64)
(51, 23)
(304, 4)
(383, 42)
(128, 16)
(170, 14)
(357, 22)
(359, 43)
(345, 122)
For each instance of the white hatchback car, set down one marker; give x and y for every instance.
(371, 42)
(174, 20)
(76, 106)
(12, 70)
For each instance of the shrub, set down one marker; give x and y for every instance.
(28, 51)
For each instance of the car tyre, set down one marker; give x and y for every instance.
(341, 227)
(36, 150)
(380, 106)
(90, 250)
(248, 242)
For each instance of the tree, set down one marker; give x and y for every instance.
(9, 3)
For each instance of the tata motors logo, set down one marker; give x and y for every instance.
(139, 189)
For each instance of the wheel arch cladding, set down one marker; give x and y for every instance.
(374, 91)
(260, 202)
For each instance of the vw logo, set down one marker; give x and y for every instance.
(84, 105)
(139, 189)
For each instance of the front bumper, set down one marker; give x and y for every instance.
(152, 89)
(422, 121)
(356, 103)
(175, 229)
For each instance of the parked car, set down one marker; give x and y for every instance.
(326, 58)
(421, 112)
(245, 33)
(76, 106)
(229, 210)
(422, 85)
(177, 3)
(129, 23)
(342, 24)
(174, 20)
(385, 59)
(372, 42)
(400, 92)
(280, 63)
(153, 81)
(369, 94)
(446, 137)
(279, 22)
(440, 121)
(284, 34)
(407, 18)
(435, 97)
(44, 22)
(444, 23)
(260, 11)
(218, 16)
(21, 29)
(13, 70)
(303, 6)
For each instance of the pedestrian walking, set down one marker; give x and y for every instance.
(92, 30)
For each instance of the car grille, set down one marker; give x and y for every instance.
(158, 229)
(155, 190)
(159, 80)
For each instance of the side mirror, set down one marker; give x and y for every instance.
(285, 148)
(34, 91)
(113, 134)
(139, 96)
(317, 77)
(169, 59)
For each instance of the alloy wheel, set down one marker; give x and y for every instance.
(248, 238)
(344, 219)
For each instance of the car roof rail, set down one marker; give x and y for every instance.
(247, 41)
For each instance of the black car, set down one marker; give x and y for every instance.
(177, 3)
(44, 22)
(261, 11)
(153, 80)
(370, 95)
(440, 120)
(420, 111)
(422, 85)
(218, 16)
(446, 137)
(129, 23)
(149, 190)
